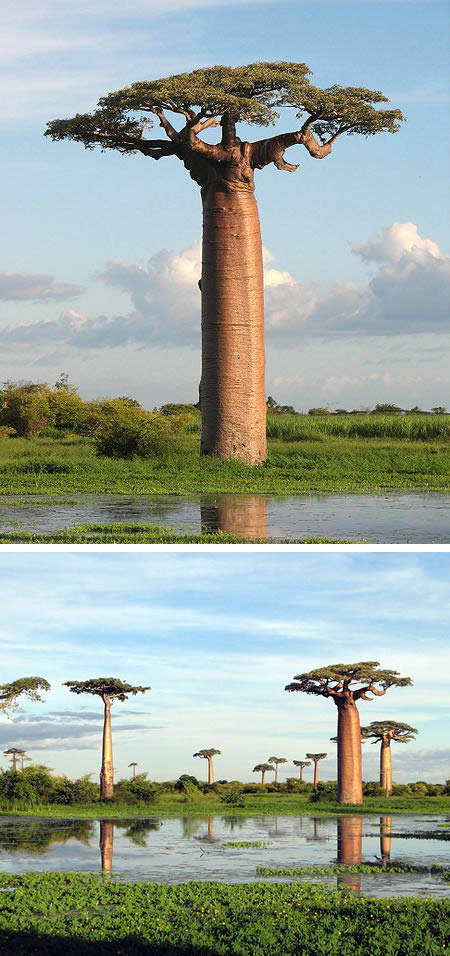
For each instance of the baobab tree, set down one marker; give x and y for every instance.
(22, 687)
(301, 764)
(315, 759)
(15, 755)
(276, 761)
(133, 765)
(208, 755)
(109, 689)
(384, 731)
(262, 768)
(232, 391)
(338, 683)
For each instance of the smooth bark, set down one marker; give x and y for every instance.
(106, 845)
(316, 774)
(385, 838)
(239, 514)
(386, 765)
(210, 770)
(107, 773)
(349, 849)
(349, 751)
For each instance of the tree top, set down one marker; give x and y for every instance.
(302, 763)
(207, 753)
(110, 687)
(277, 760)
(263, 766)
(379, 729)
(26, 686)
(339, 680)
(316, 757)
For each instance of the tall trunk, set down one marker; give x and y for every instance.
(385, 838)
(316, 774)
(263, 775)
(386, 766)
(349, 849)
(349, 752)
(232, 391)
(106, 844)
(106, 773)
(301, 773)
(210, 771)
(276, 774)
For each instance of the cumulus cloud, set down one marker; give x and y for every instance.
(409, 293)
(20, 287)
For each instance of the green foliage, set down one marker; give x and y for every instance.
(320, 424)
(234, 798)
(340, 678)
(22, 687)
(111, 687)
(379, 729)
(83, 914)
(136, 792)
(25, 407)
(121, 430)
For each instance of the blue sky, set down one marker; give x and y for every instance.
(217, 636)
(98, 274)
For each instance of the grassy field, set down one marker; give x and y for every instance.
(82, 914)
(142, 534)
(319, 462)
(255, 804)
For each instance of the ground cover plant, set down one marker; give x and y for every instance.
(53, 466)
(121, 533)
(78, 913)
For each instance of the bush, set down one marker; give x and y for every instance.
(234, 798)
(24, 406)
(121, 430)
(133, 792)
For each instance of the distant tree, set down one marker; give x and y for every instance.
(383, 731)
(208, 755)
(131, 402)
(109, 689)
(23, 687)
(439, 410)
(262, 768)
(25, 407)
(315, 759)
(385, 408)
(15, 755)
(276, 761)
(338, 683)
(232, 385)
(133, 765)
(319, 411)
(301, 764)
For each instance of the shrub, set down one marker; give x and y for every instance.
(136, 791)
(6, 431)
(25, 407)
(234, 798)
(121, 430)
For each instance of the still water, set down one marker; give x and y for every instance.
(176, 849)
(393, 518)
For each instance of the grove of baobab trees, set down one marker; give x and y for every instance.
(109, 689)
(345, 685)
(232, 389)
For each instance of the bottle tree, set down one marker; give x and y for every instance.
(262, 768)
(301, 764)
(109, 689)
(346, 684)
(315, 759)
(232, 390)
(276, 761)
(383, 731)
(208, 755)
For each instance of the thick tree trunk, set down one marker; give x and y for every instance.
(263, 776)
(301, 773)
(276, 774)
(385, 838)
(349, 752)
(232, 391)
(210, 771)
(316, 774)
(106, 773)
(106, 844)
(386, 766)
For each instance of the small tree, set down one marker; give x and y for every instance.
(133, 765)
(15, 754)
(301, 764)
(338, 683)
(109, 689)
(315, 759)
(384, 731)
(23, 687)
(262, 768)
(208, 755)
(276, 761)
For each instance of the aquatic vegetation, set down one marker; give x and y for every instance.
(332, 868)
(75, 913)
(244, 845)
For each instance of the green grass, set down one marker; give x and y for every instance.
(368, 868)
(69, 465)
(82, 914)
(402, 427)
(255, 804)
(119, 533)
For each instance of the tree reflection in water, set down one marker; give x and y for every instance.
(349, 850)
(245, 515)
(135, 830)
(385, 838)
(36, 837)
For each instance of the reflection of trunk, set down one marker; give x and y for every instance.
(210, 828)
(244, 515)
(210, 771)
(386, 766)
(106, 844)
(385, 838)
(349, 850)
(232, 392)
(349, 752)
(106, 773)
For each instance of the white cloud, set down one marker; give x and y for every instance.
(395, 241)
(21, 287)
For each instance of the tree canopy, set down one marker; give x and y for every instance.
(211, 752)
(221, 96)
(340, 680)
(316, 757)
(110, 687)
(24, 686)
(391, 729)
